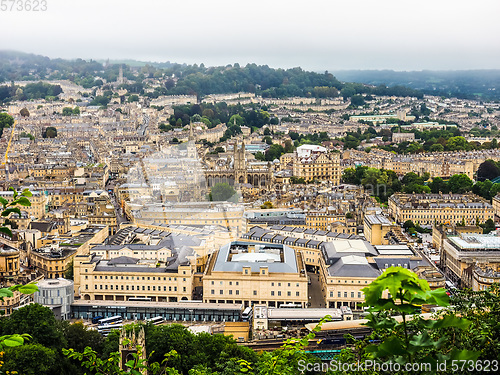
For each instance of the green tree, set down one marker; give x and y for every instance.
(456, 144)
(24, 112)
(49, 132)
(408, 224)
(133, 98)
(37, 321)
(438, 185)
(349, 176)
(67, 111)
(237, 120)
(274, 152)
(76, 111)
(6, 121)
(32, 359)
(260, 156)
(411, 339)
(222, 191)
(79, 336)
(460, 183)
(488, 226)
(437, 148)
(268, 140)
(488, 170)
(482, 309)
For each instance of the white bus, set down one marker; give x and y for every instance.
(111, 320)
(106, 328)
(156, 320)
(247, 314)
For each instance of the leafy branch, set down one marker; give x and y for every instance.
(20, 199)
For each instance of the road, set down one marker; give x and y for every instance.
(315, 293)
(119, 217)
(142, 129)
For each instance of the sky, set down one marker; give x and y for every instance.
(314, 34)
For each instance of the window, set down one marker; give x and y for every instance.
(297, 294)
(272, 292)
(237, 292)
(230, 292)
(345, 294)
(352, 294)
(339, 294)
(289, 294)
(212, 291)
(279, 293)
(254, 292)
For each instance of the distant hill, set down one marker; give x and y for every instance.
(466, 84)
(181, 79)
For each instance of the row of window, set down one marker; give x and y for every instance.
(136, 287)
(237, 283)
(339, 294)
(136, 278)
(237, 292)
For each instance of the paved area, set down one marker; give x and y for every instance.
(315, 293)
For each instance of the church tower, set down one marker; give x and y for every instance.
(120, 76)
(240, 165)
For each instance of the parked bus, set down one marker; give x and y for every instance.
(106, 328)
(112, 320)
(96, 319)
(156, 320)
(247, 314)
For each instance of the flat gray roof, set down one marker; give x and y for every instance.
(289, 264)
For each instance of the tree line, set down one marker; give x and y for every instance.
(384, 183)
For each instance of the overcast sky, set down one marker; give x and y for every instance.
(314, 34)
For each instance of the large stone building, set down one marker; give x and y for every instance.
(256, 273)
(376, 229)
(123, 277)
(428, 209)
(223, 214)
(237, 169)
(316, 164)
(56, 254)
(469, 256)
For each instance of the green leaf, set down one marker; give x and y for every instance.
(8, 211)
(28, 288)
(392, 346)
(6, 231)
(26, 193)
(12, 340)
(13, 190)
(130, 363)
(464, 355)
(422, 340)
(5, 292)
(439, 297)
(23, 201)
(4, 201)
